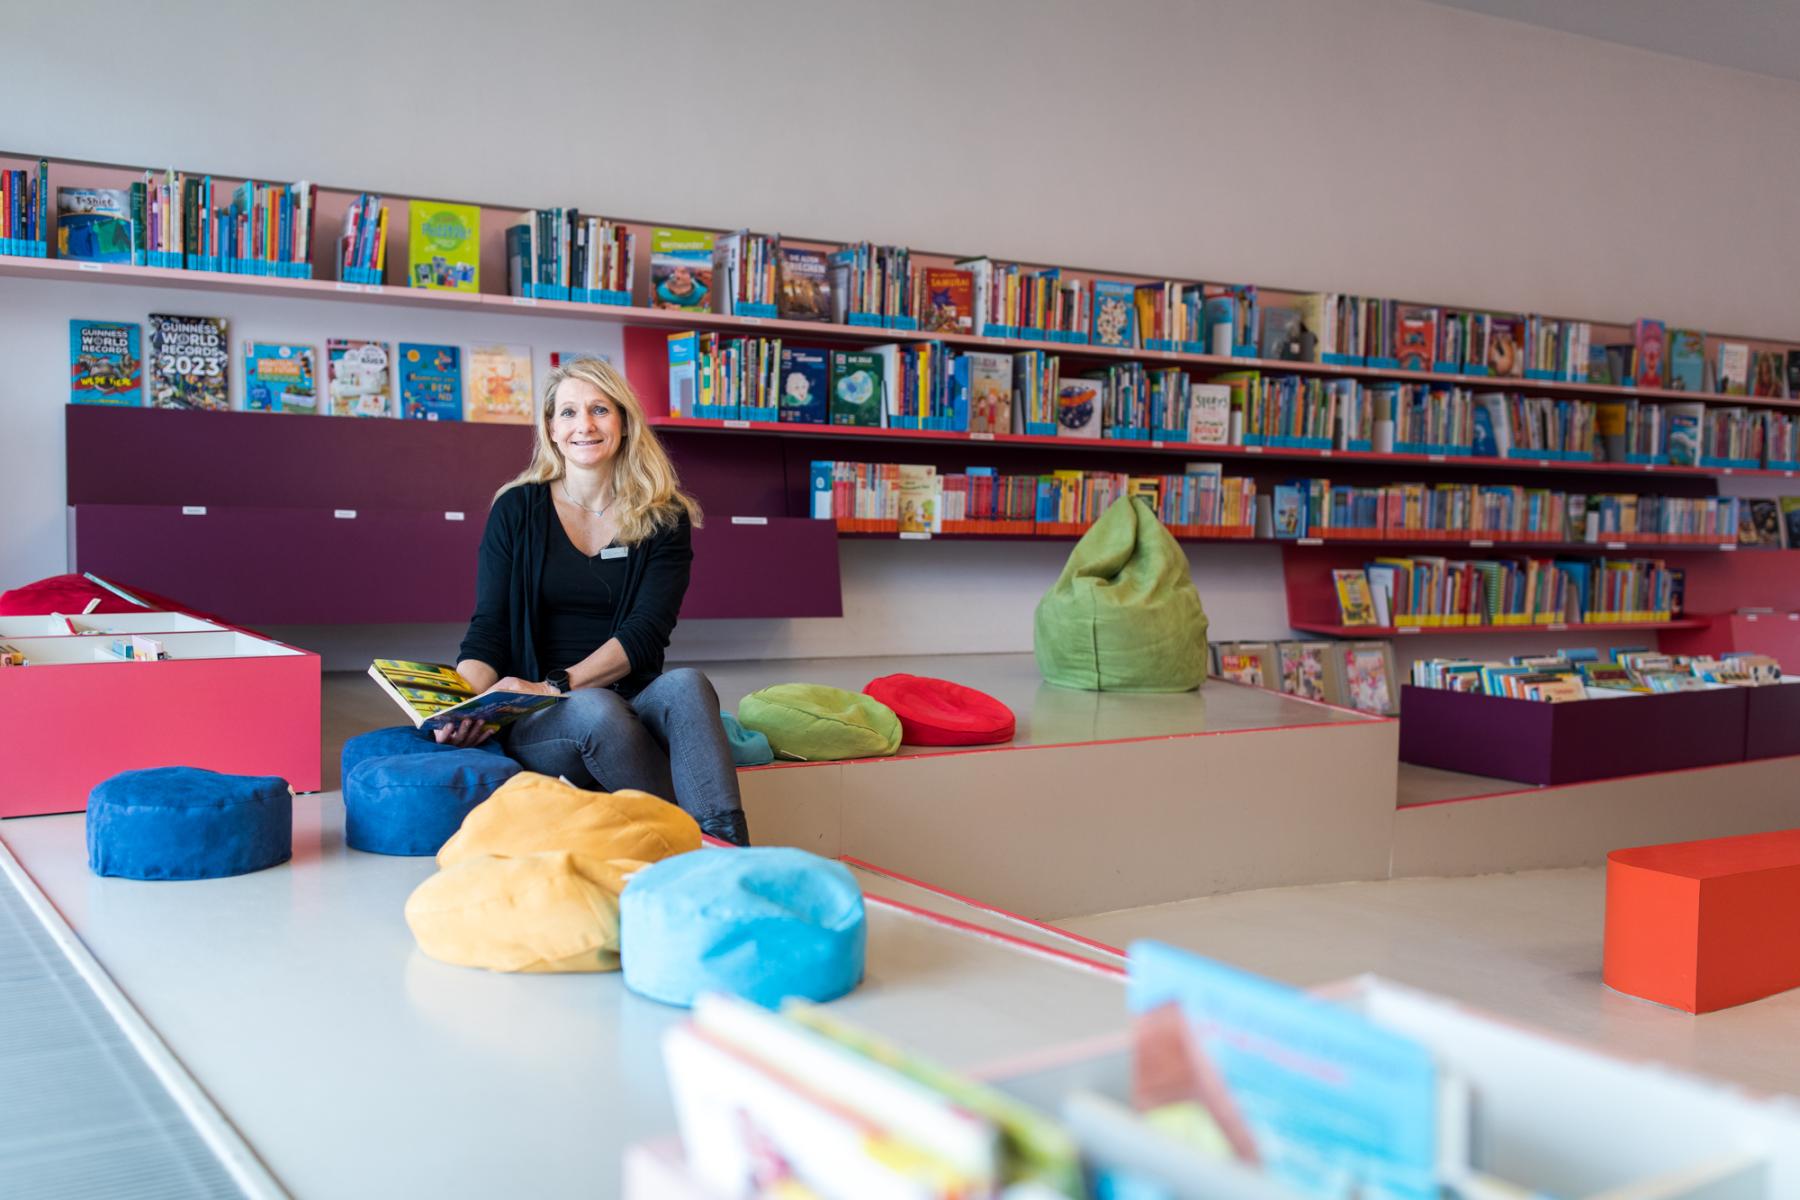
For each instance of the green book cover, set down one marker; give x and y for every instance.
(443, 249)
(855, 388)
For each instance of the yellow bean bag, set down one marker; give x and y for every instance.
(553, 911)
(531, 813)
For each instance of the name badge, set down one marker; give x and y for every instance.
(615, 552)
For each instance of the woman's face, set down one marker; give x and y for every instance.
(584, 424)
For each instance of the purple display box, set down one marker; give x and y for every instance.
(1536, 742)
(1772, 723)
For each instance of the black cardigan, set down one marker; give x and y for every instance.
(503, 631)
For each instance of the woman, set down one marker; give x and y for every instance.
(583, 565)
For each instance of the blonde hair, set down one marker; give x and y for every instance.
(647, 493)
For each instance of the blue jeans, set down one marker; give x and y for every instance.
(667, 740)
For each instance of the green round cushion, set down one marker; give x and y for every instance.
(1124, 615)
(815, 723)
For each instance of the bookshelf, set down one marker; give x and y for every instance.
(758, 472)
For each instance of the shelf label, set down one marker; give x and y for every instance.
(1787, 474)
(1253, 449)
(1649, 466)
(193, 510)
(344, 514)
(349, 287)
(1479, 544)
(373, 289)
(1310, 542)
(749, 520)
(87, 266)
(1407, 629)
(1325, 454)
(1557, 626)
(1155, 445)
(751, 320)
(736, 424)
(981, 437)
(453, 516)
(1615, 545)
(525, 301)
(1728, 545)
(1543, 462)
(915, 537)
(1434, 458)
(1728, 470)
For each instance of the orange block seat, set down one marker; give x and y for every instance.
(1705, 925)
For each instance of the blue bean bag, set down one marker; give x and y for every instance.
(411, 804)
(748, 747)
(763, 924)
(188, 823)
(401, 739)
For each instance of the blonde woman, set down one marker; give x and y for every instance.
(583, 565)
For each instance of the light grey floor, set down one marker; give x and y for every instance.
(1524, 946)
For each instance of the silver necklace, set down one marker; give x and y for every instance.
(598, 512)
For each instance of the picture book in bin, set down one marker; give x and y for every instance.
(1415, 337)
(1115, 314)
(94, 224)
(443, 249)
(1317, 1097)
(949, 305)
(1766, 375)
(1687, 360)
(433, 694)
(681, 274)
(856, 388)
(280, 377)
(1648, 368)
(499, 385)
(431, 386)
(106, 363)
(1303, 669)
(1356, 606)
(1209, 413)
(361, 378)
(190, 363)
(1790, 519)
(1078, 407)
(1367, 671)
(805, 386)
(805, 279)
(990, 392)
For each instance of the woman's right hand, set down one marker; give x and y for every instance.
(464, 733)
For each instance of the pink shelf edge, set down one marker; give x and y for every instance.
(1553, 627)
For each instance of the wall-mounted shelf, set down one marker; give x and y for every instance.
(1379, 631)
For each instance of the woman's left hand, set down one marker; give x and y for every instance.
(512, 683)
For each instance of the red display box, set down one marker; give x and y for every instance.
(1533, 741)
(227, 700)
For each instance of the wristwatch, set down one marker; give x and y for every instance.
(558, 680)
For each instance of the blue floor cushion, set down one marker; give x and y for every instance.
(400, 739)
(763, 924)
(188, 823)
(412, 803)
(748, 747)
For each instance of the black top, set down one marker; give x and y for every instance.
(578, 596)
(506, 630)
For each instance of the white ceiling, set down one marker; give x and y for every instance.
(1750, 35)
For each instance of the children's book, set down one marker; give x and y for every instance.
(1683, 422)
(1289, 511)
(1790, 519)
(431, 387)
(106, 363)
(1285, 336)
(94, 224)
(1734, 368)
(805, 386)
(433, 694)
(1078, 408)
(949, 305)
(918, 494)
(1415, 337)
(361, 378)
(499, 383)
(990, 392)
(1767, 374)
(443, 249)
(1303, 669)
(856, 388)
(1209, 413)
(1250, 663)
(1647, 359)
(681, 273)
(1793, 373)
(190, 363)
(1765, 518)
(1115, 314)
(1687, 360)
(805, 277)
(279, 377)
(1355, 604)
(1366, 677)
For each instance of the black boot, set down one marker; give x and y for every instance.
(728, 827)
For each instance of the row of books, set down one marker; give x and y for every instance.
(1355, 675)
(24, 211)
(177, 220)
(1318, 508)
(1432, 592)
(190, 367)
(916, 499)
(560, 254)
(1582, 674)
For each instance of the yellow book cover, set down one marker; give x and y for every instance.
(443, 248)
(918, 492)
(432, 694)
(1355, 604)
(499, 383)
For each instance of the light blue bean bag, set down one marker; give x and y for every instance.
(188, 823)
(400, 739)
(410, 804)
(748, 747)
(764, 923)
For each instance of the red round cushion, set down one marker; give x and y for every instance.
(936, 712)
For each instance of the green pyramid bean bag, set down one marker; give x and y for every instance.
(1124, 615)
(815, 723)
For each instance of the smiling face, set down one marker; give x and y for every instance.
(585, 425)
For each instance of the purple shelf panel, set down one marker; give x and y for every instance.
(787, 567)
(1772, 723)
(1535, 742)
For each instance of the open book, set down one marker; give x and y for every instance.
(432, 694)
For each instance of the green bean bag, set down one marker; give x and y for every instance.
(1124, 615)
(815, 723)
